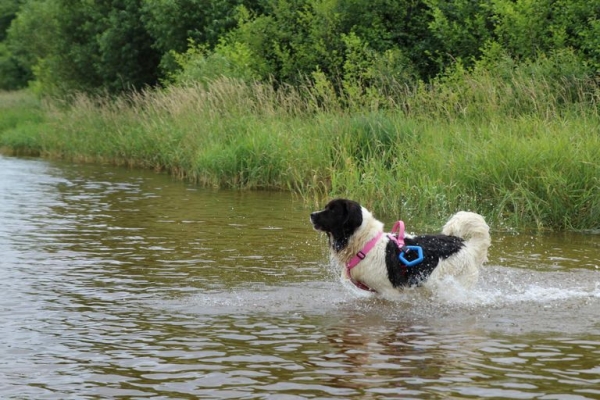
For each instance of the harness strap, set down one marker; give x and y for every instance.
(363, 253)
(358, 258)
(397, 236)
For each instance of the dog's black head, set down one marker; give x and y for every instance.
(340, 219)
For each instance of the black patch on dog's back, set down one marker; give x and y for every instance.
(435, 248)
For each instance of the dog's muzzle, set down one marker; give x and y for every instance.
(313, 220)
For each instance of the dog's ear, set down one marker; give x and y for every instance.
(353, 213)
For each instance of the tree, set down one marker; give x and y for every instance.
(8, 12)
(12, 75)
(174, 24)
(96, 45)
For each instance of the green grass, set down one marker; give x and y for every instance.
(525, 174)
(21, 116)
(519, 151)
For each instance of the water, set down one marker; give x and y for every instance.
(125, 284)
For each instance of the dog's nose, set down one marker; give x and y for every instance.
(314, 215)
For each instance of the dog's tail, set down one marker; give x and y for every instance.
(473, 228)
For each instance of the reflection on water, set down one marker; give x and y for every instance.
(120, 283)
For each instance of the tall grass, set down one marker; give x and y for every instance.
(519, 149)
(20, 118)
(524, 173)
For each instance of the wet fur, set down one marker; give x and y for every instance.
(459, 251)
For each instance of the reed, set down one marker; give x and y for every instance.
(519, 150)
(523, 173)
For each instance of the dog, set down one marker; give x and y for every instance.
(385, 264)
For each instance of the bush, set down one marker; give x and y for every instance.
(200, 65)
(95, 46)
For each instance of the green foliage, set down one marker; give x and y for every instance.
(528, 28)
(8, 12)
(461, 27)
(12, 75)
(296, 38)
(418, 108)
(524, 29)
(95, 45)
(536, 173)
(200, 65)
(576, 24)
(28, 39)
(26, 42)
(359, 46)
(498, 84)
(401, 26)
(21, 117)
(285, 40)
(126, 57)
(369, 77)
(174, 24)
(522, 26)
(475, 141)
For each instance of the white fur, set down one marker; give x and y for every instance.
(463, 266)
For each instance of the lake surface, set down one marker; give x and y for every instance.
(119, 283)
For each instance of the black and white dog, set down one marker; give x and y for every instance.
(372, 260)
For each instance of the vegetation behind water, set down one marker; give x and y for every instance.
(501, 147)
(62, 46)
(416, 108)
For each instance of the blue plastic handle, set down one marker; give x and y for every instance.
(420, 257)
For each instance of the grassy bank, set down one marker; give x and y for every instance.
(523, 152)
(21, 121)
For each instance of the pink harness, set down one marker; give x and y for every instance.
(397, 236)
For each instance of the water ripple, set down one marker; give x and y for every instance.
(125, 284)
